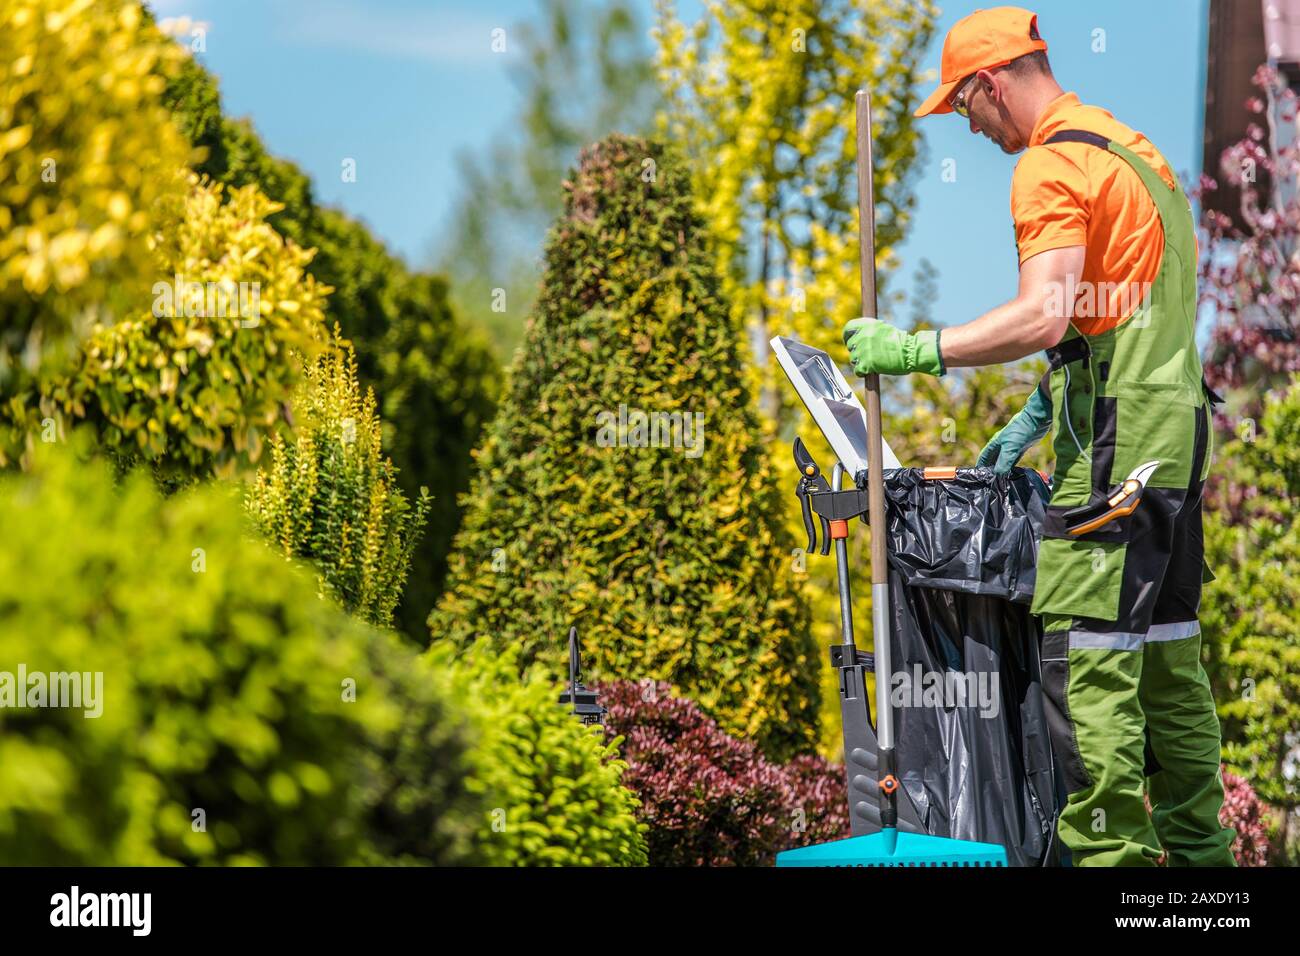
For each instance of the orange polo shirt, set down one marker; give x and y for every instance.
(1074, 194)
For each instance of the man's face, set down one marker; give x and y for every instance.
(980, 102)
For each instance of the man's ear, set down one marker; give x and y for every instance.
(986, 79)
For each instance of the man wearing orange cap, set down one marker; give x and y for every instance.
(1107, 287)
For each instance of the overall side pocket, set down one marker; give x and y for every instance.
(1080, 577)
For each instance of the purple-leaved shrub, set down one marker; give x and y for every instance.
(711, 799)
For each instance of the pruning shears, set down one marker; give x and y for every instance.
(1122, 500)
(834, 509)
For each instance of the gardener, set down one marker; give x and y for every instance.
(1098, 214)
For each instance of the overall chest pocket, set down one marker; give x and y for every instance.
(1156, 421)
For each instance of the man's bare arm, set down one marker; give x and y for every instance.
(1034, 320)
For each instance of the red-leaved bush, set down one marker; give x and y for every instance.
(708, 798)
(1243, 811)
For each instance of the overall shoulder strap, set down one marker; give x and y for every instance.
(1078, 136)
(1169, 201)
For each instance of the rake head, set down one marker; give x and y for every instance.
(889, 847)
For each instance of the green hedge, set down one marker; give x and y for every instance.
(416, 783)
(1249, 616)
(223, 691)
(228, 688)
(551, 787)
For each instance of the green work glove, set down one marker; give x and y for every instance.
(876, 346)
(1028, 426)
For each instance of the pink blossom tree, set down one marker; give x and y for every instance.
(1250, 279)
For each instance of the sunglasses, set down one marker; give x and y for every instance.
(958, 102)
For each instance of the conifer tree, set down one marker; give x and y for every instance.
(624, 484)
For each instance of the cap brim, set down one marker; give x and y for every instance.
(937, 102)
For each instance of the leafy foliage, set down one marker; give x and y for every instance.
(436, 379)
(760, 93)
(710, 799)
(437, 384)
(330, 496)
(223, 691)
(416, 782)
(1251, 626)
(552, 785)
(193, 386)
(86, 151)
(1250, 620)
(672, 560)
(1249, 287)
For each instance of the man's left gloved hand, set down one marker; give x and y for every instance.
(876, 346)
(1028, 426)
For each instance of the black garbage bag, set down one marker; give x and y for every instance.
(973, 749)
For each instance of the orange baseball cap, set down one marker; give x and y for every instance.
(981, 41)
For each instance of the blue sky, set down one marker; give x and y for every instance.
(403, 86)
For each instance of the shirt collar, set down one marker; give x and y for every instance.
(1053, 118)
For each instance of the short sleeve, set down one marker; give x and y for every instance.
(1049, 202)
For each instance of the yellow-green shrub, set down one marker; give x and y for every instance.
(304, 735)
(87, 150)
(328, 493)
(196, 394)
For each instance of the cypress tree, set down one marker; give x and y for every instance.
(661, 538)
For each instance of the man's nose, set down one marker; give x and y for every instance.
(973, 127)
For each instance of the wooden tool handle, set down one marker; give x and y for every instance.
(867, 262)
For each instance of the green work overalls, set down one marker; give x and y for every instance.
(1129, 704)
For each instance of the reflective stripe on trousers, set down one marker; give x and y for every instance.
(1121, 641)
